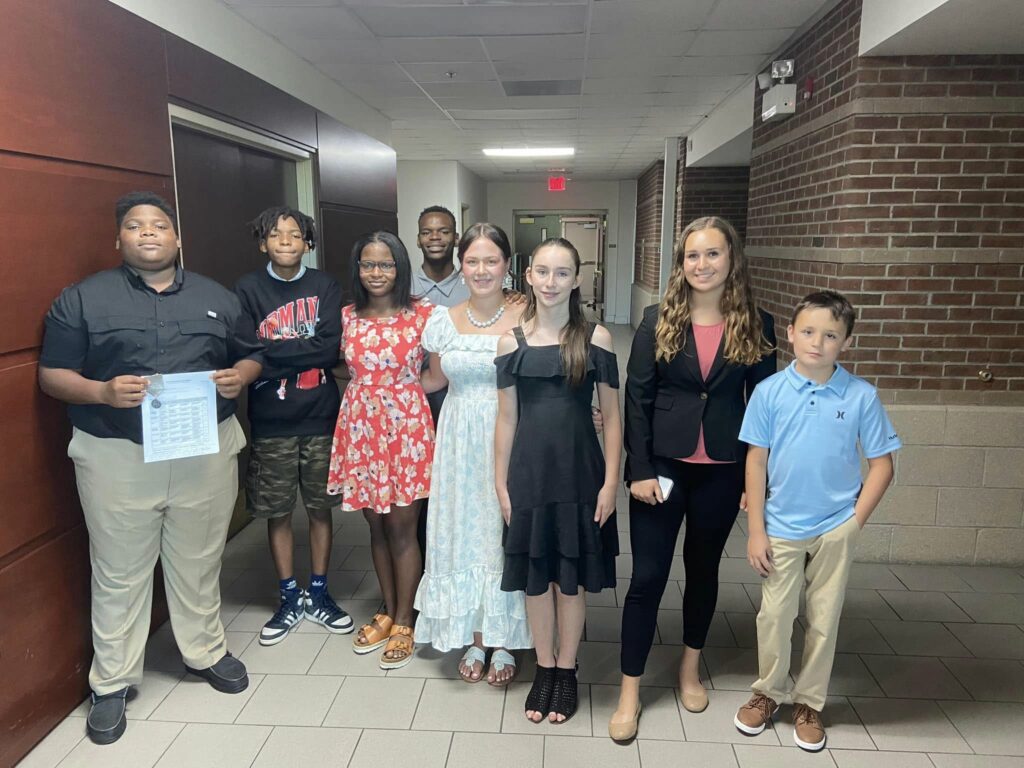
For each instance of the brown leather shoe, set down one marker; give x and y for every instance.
(753, 716)
(808, 730)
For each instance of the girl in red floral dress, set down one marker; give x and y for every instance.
(384, 440)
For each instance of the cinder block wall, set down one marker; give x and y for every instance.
(958, 496)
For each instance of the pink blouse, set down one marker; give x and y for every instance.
(708, 337)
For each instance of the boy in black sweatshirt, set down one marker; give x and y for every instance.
(293, 407)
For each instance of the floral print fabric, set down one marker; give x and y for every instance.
(460, 592)
(384, 440)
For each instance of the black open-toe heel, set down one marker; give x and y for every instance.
(541, 692)
(565, 699)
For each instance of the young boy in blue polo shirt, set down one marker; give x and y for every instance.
(803, 425)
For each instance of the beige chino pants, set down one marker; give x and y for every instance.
(177, 510)
(823, 564)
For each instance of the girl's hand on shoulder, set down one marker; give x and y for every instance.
(504, 503)
(647, 491)
(605, 504)
(514, 298)
(759, 553)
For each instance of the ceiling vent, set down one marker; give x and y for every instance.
(542, 87)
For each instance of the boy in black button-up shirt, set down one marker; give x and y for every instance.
(103, 336)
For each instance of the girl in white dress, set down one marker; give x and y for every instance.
(459, 600)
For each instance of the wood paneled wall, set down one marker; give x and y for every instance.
(85, 87)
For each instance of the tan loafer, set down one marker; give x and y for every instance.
(625, 732)
(694, 702)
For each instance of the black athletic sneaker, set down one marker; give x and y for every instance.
(287, 618)
(323, 610)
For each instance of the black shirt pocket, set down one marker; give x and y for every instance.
(204, 339)
(118, 342)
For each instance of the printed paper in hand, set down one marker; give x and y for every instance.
(179, 417)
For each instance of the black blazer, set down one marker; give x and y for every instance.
(666, 403)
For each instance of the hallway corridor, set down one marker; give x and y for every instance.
(929, 674)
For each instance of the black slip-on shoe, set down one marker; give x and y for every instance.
(227, 675)
(107, 721)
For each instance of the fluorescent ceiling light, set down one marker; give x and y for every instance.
(530, 152)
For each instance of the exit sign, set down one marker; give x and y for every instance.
(556, 183)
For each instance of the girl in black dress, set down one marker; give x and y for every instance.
(555, 487)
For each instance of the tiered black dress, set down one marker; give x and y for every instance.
(555, 473)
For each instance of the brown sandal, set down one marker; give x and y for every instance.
(401, 643)
(374, 636)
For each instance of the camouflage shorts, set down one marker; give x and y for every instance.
(280, 466)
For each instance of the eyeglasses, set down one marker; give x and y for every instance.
(387, 267)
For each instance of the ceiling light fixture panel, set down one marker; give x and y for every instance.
(529, 151)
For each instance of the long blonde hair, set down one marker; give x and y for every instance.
(745, 343)
(574, 344)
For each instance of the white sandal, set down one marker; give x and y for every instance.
(499, 660)
(471, 657)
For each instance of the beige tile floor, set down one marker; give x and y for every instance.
(929, 674)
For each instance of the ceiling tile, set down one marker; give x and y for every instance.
(727, 43)
(541, 87)
(617, 85)
(743, 64)
(464, 90)
(650, 69)
(618, 45)
(313, 23)
(714, 84)
(437, 71)
(540, 69)
(285, 3)
(419, 49)
(379, 94)
(506, 102)
(627, 66)
(743, 14)
(368, 51)
(347, 72)
(648, 16)
(514, 114)
(621, 102)
(474, 20)
(520, 47)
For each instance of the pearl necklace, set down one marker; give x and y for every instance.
(484, 323)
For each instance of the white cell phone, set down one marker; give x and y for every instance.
(666, 484)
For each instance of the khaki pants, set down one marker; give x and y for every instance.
(177, 510)
(823, 562)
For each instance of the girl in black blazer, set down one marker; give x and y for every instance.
(695, 360)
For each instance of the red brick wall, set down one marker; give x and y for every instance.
(711, 191)
(716, 191)
(647, 249)
(912, 204)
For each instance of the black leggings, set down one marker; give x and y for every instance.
(708, 496)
